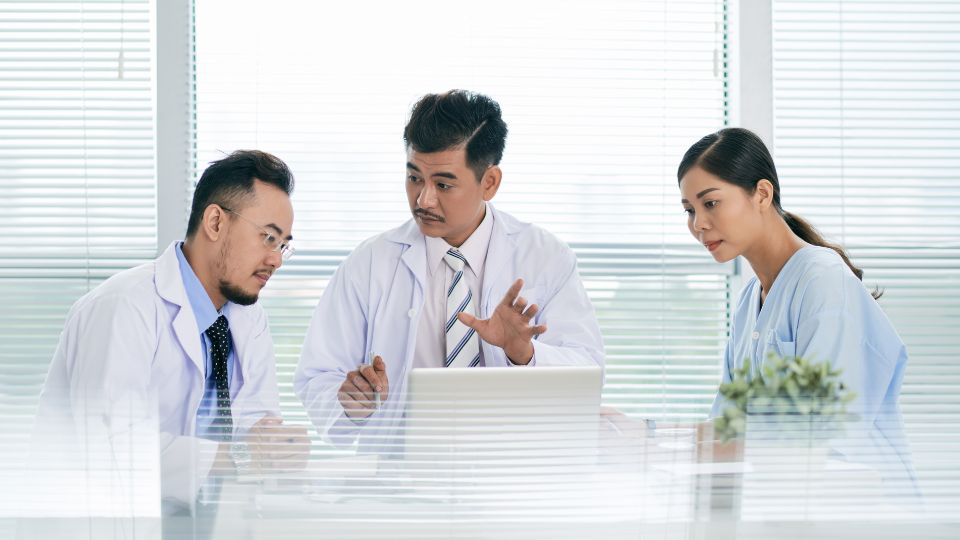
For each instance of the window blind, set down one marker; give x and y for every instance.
(78, 182)
(867, 141)
(601, 99)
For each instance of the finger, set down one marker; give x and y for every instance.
(512, 293)
(531, 312)
(363, 400)
(471, 321)
(353, 395)
(359, 381)
(295, 436)
(349, 403)
(288, 433)
(372, 379)
(355, 408)
(381, 368)
(361, 384)
(270, 420)
(520, 304)
(537, 330)
(263, 427)
(375, 383)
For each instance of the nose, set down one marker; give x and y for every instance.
(275, 259)
(428, 196)
(700, 222)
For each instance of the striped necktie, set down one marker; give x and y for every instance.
(463, 345)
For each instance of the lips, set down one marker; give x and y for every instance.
(263, 277)
(712, 246)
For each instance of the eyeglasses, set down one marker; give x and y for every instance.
(270, 240)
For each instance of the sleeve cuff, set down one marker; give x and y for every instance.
(531, 363)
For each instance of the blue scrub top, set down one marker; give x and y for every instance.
(817, 309)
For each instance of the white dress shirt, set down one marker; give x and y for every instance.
(431, 347)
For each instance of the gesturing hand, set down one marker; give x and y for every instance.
(509, 325)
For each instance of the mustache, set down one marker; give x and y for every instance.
(423, 213)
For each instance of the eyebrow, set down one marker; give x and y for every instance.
(701, 194)
(441, 174)
(278, 229)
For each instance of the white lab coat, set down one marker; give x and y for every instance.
(373, 303)
(130, 351)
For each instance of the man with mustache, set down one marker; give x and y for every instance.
(461, 285)
(182, 342)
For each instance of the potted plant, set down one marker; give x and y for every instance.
(791, 396)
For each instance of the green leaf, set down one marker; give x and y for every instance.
(785, 385)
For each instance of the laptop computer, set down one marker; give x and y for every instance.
(490, 417)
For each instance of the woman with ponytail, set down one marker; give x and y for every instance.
(807, 298)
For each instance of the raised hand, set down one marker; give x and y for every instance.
(509, 325)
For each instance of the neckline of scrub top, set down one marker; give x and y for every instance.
(776, 283)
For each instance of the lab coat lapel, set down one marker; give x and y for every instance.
(241, 333)
(501, 253)
(415, 256)
(170, 288)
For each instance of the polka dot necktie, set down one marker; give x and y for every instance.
(463, 345)
(219, 334)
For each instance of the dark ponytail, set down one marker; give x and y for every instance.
(738, 156)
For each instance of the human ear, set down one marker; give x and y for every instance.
(212, 224)
(763, 193)
(490, 182)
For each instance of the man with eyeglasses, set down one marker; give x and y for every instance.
(182, 342)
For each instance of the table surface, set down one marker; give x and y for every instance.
(620, 480)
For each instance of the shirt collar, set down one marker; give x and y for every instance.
(203, 310)
(474, 249)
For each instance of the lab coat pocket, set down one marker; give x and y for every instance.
(779, 347)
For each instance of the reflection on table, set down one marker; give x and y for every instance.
(549, 472)
(479, 479)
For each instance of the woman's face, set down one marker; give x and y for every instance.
(722, 216)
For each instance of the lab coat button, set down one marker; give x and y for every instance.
(411, 313)
(756, 335)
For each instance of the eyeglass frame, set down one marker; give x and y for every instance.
(284, 248)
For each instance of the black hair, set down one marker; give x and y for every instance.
(739, 157)
(228, 181)
(440, 122)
